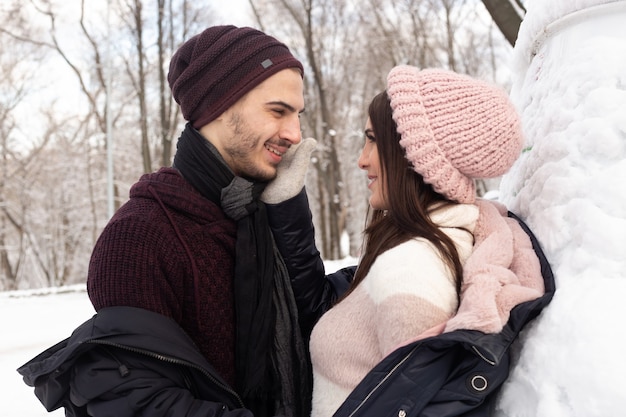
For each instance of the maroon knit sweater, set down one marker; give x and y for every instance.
(171, 251)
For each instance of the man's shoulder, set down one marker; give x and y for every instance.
(166, 194)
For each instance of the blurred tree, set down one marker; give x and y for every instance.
(316, 31)
(16, 84)
(508, 16)
(59, 211)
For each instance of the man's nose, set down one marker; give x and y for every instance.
(291, 131)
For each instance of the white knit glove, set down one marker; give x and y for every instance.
(290, 173)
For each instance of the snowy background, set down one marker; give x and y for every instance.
(569, 185)
(31, 321)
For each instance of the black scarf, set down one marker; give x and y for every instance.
(271, 364)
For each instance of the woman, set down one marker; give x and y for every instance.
(409, 275)
(441, 270)
(426, 323)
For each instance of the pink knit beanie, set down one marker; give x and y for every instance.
(215, 68)
(453, 128)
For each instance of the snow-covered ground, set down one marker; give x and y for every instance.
(29, 323)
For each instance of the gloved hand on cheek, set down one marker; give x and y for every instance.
(290, 173)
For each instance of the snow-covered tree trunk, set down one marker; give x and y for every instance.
(570, 187)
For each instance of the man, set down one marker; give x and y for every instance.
(195, 311)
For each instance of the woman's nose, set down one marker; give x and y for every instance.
(362, 160)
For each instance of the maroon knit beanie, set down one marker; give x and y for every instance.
(215, 68)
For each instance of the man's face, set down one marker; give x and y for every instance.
(258, 129)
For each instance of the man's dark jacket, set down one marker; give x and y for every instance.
(129, 361)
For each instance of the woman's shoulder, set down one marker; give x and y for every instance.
(411, 252)
(459, 216)
(408, 263)
(459, 222)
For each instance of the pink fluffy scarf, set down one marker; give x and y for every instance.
(502, 272)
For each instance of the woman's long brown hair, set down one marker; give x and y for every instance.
(409, 199)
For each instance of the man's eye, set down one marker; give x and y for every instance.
(279, 111)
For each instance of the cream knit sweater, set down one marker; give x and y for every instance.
(407, 291)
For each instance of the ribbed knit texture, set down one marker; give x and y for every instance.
(140, 261)
(407, 291)
(215, 68)
(454, 128)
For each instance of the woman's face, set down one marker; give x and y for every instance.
(370, 162)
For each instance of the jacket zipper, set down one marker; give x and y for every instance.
(483, 357)
(382, 381)
(171, 360)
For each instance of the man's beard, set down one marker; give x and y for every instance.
(241, 146)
